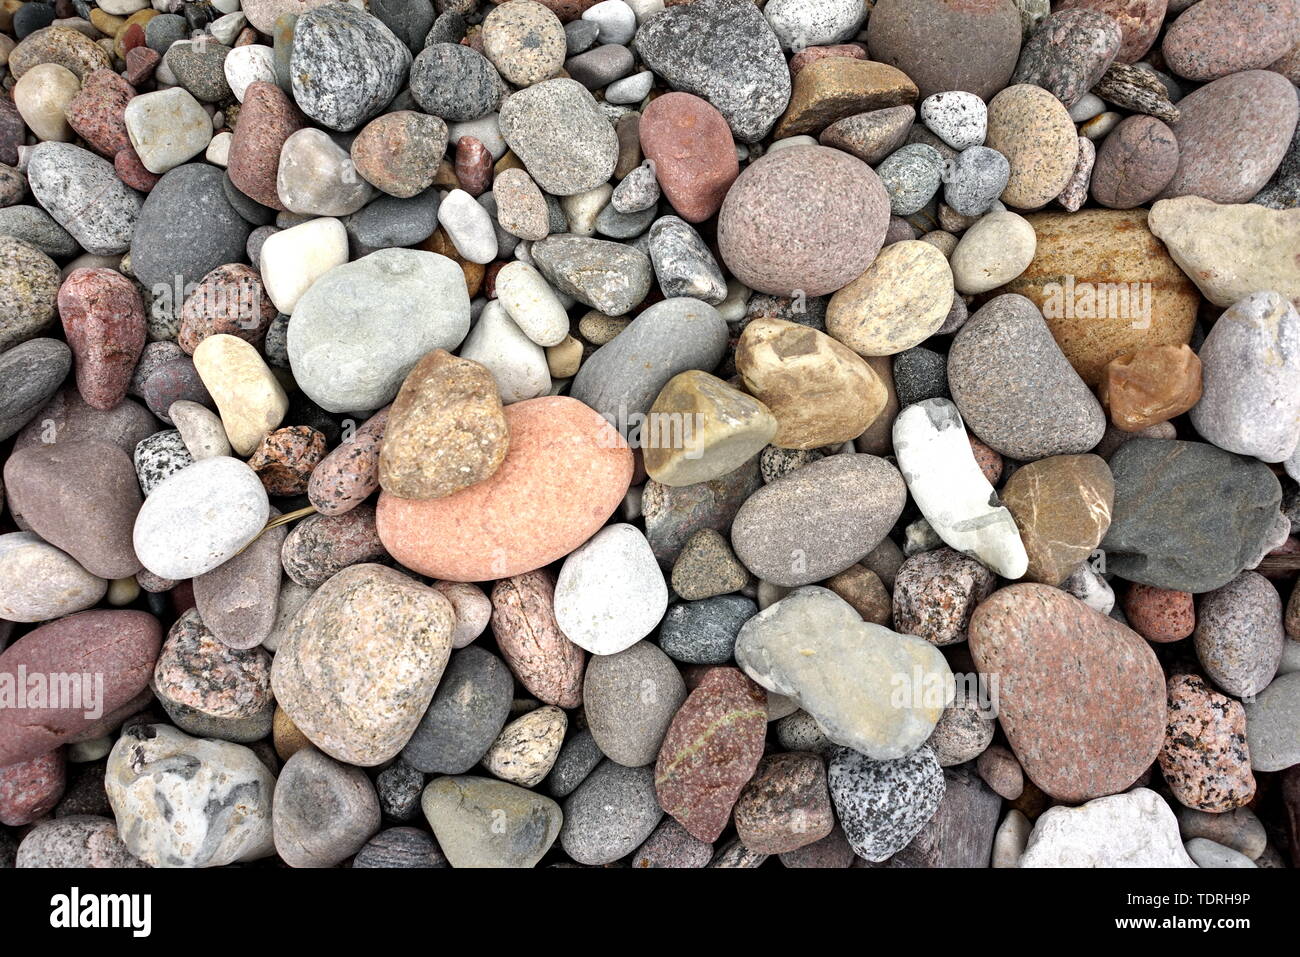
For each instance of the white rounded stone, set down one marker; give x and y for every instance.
(39, 582)
(958, 118)
(469, 227)
(615, 21)
(292, 259)
(252, 63)
(516, 362)
(316, 177)
(532, 304)
(42, 95)
(611, 592)
(167, 128)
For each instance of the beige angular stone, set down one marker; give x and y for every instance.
(1062, 506)
(700, 428)
(564, 359)
(248, 395)
(446, 430)
(1231, 251)
(821, 392)
(836, 87)
(900, 301)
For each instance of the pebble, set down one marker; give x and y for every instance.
(610, 592)
(526, 44)
(79, 840)
(1222, 37)
(1062, 506)
(1134, 163)
(1205, 757)
(935, 593)
(455, 83)
(949, 487)
(712, 748)
(1187, 516)
(1068, 52)
(901, 299)
(516, 363)
(532, 304)
(958, 118)
(870, 136)
(103, 319)
(247, 395)
(1232, 135)
(199, 518)
(973, 182)
(1094, 737)
(267, 119)
(40, 582)
(532, 511)
(558, 133)
(742, 73)
(944, 47)
(42, 96)
(818, 521)
(683, 264)
(835, 87)
(1248, 403)
(630, 698)
(999, 247)
(883, 804)
(170, 793)
(380, 292)
(316, 177)
(324, 811)
(727, 429)
(527, 747)
(617, 380)
(346, 65)
(1239, 635)
(1271, 722)
(167, 128)
(820, 391)
(83, 194)
(158, 457)
(80, 495)
(521, 207)
(1135, 829)
(790, 646)
(482, 822)
(1031, 127)
(245, 65)
(607, 276)
(30, 281)
(609, 814)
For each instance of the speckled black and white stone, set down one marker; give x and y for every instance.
(882, 805)
(683, 264)
(704, 632)
(555, 128)
(399, 786)
(159, 457)
(346, 65)
(84, 195)
(455, 82)
(911, 176)
(958, 118)
(639, 190)
(974, 180)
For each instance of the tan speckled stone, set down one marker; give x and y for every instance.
(359, 663)
(525, 750)
(1033, 130)
(899, 302)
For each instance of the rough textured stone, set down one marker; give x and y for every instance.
(1205, 757)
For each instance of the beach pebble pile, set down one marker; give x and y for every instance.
(649, 433)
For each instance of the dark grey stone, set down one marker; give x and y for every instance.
(704, 632)
(468, 711)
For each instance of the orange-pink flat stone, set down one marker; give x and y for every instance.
(566, 472)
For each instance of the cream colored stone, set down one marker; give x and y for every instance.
(247, 394)
(42, 95)
(997, 249)
(900, 301)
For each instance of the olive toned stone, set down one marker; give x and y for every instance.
(836, 87)
(1062, 506)
(446, 430)
(700, 428)
(899, 302)
(820, 391)
(1153, 385)
(1106, 286)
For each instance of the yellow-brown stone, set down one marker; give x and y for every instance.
(1106, 286)
(1062, 506)
(900, 301)
(821, 392)
(700, 428)
(863, 589)
(1143, 388)
(835, 87)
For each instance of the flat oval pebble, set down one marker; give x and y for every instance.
(1032, 129)
(1214, 39)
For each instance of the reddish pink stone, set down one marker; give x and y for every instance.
(266, 119)
(694, 156)
(1205, 757)
(541, 656)
(566, 10)
(30, 789)
(473, 165)
(813, 54)
(348, 475)
(1139, 22)
(132, 172)
(1159, 614)
(98, 113)
(284, 459)
(140, 64)
(103, 319)
(989, 461)
(119, 647)
(133, 38)
(12, 131)
(227, 301)
(566, 472)
(712, 749)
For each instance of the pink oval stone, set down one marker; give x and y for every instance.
(1139, 22)
(103, 319)
(346, 477)
(116, 649)
(30, 789)
(98, 112)
(266, 119)
(693, 153)
(566, 472)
